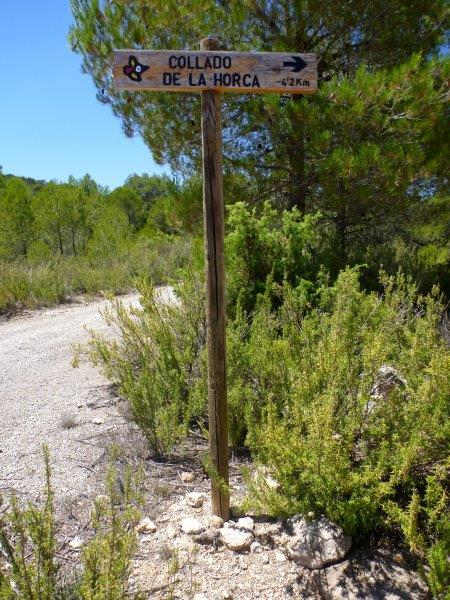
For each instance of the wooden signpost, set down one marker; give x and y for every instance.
(239, 72)
(211, 72)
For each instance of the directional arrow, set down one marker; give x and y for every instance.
(297, 64)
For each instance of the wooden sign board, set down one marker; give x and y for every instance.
(239, 72)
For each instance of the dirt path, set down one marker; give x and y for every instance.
(41, 396)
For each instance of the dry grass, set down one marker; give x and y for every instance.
(68, 421)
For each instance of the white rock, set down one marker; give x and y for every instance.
(77, 543)
(236, 539)
(200, 597)
(246, 523)
(272, 483)
(146, 526)
(262, 475)
(195, 499)
(98, 421)
(187, 477)
(386, 380)
(207, 537)
(315, 544)
(256, 548)
(192, 526)
(215, 522)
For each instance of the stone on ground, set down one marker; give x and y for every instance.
(206, 538)
(215, 521)
(192, 526)
(246, 523)
(267, 533)
(77, 543)
(256, 548)
(195, 499)
(236, 539)
(146, 526)
(315, 544)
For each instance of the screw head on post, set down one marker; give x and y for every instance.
(211, 42)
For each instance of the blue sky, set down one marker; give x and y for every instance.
(51, 125)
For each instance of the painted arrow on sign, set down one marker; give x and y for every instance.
(297, 63)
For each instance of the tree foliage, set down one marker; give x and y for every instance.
(368, 151)
(57, 239)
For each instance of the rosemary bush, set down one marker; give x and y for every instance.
(29, 566)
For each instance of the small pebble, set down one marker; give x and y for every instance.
(146, 526)
(171, 532)
(77, 543)
(195, 499)
(256, 548)
(206, 538)
(187, 477)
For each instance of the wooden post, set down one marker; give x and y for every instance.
(211, 72)
(213, 209)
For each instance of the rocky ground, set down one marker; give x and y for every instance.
(183, 553)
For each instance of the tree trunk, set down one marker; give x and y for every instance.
(61, 247)
(341, 226)
(74, 249)
(297, 193)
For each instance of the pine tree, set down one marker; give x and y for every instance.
(367, 150)
(15, 218)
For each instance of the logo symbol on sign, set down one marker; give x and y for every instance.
(134, 69)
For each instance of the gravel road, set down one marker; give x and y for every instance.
(41, 394)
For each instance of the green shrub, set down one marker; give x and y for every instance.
(107, 557)
(28, 541)
(31, 283)
(438, 576)
(269, 245)
(156, 362)
(302, 397)
(332, 447)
